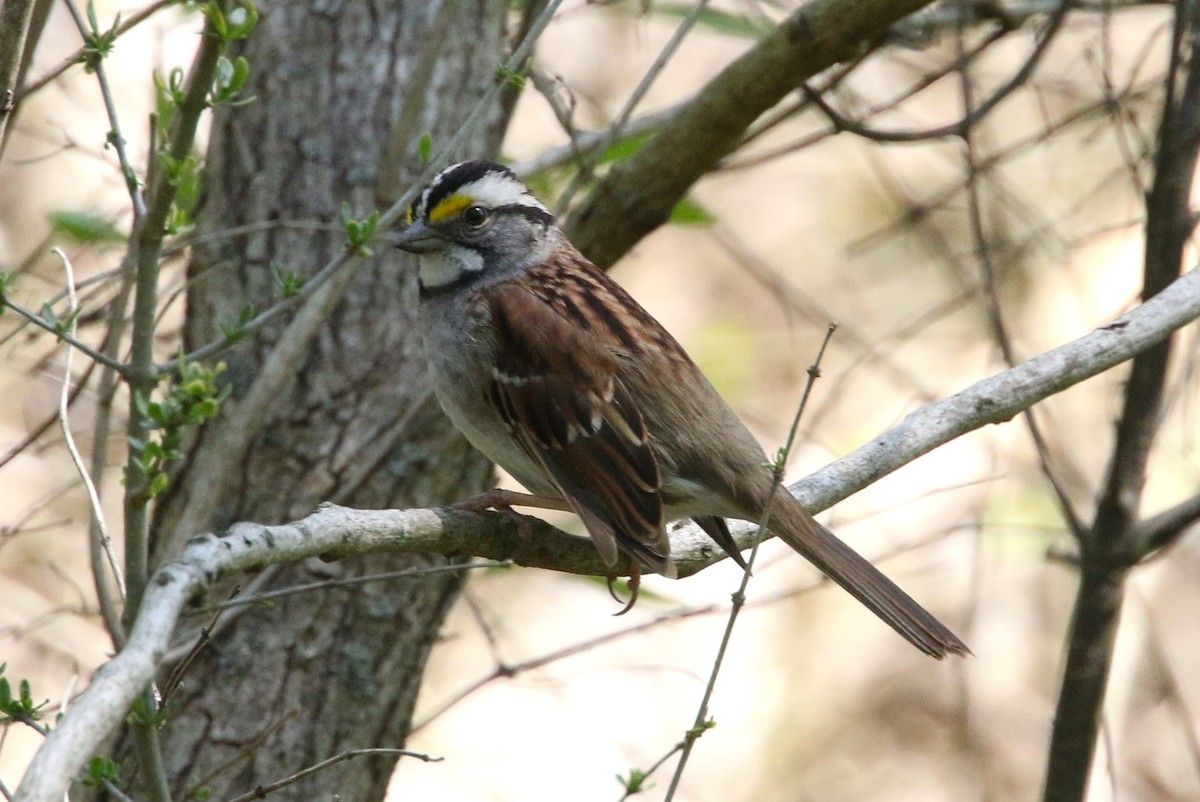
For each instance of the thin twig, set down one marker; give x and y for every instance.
(263, 790)
(64, 421)
(31, 437)
(116, 792)
(145, 250)
(700, 725)
(247, 751)
(106, 394)
(815, 97)
(137, 201)
(77, 57)
(991, 293)
(67, 338)
(587, 142)
(614, 131)
(973, 117)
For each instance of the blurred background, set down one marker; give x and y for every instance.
(798, 229)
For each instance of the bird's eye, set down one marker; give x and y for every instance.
(475, 215)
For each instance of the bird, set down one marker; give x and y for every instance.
(554, 372)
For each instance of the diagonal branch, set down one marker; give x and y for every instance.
(334, 532)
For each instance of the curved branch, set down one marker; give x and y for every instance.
(334, 532)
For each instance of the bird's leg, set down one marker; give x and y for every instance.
(635, 582)
(503, 501)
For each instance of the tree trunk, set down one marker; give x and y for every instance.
(311, 675)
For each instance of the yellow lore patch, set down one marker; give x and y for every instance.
(449, 207)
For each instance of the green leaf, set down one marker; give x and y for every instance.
(290, 283)
(157, 485)
(241, 71)
(97, 44)
(359, 232)
(689, 213)
(624, 147)
(100, 770)
(204, 410)
(84, 227)
(216, 18)
(636, 783)
(425, 148)
(514, 78)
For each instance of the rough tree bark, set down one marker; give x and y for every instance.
(316, 674)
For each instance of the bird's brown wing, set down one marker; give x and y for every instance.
(557, 387)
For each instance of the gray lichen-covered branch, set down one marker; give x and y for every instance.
(335, 532)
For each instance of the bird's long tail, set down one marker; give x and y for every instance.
(792, 524)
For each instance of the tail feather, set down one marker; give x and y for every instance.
(792, 524)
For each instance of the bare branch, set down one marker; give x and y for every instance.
(1110, 547)
(137, 201)
(1160, 531)
(77, 57)
(339, 532)
(262, 791)
(642, 190)
(92, 353)
(974, 115)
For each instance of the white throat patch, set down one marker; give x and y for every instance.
(446, 266)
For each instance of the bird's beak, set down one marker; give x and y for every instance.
(420, 238)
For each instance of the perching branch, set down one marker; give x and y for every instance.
(335, 532)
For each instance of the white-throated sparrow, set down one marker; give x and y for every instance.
(555, 373)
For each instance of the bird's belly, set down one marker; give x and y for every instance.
(461, 370)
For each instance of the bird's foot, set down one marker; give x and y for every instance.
(634, 584)
(503, 501)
